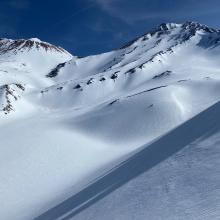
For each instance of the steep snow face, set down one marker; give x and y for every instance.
(73, 119)
(154, 48)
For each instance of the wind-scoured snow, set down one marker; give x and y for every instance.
(66, 122)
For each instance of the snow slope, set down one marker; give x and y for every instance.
(174, 178)
(171, 178)
(65, 121)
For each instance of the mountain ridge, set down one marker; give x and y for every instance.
(19, 44)
(162, 27)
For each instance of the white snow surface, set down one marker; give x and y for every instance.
(67, 122)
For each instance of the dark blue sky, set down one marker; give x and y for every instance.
(87, 27)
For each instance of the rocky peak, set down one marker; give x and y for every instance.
(191, 25)
(168, 26)
(8, 45)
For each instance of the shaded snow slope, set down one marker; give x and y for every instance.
(184, 185)
(171, 178)
(65, 121)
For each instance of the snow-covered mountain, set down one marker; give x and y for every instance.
(23, 66)
(75, 129)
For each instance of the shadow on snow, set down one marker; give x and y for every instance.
(202, 125)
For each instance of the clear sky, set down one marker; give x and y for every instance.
(87, 27)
